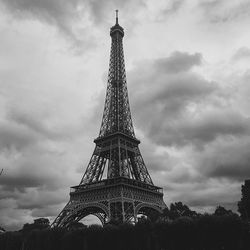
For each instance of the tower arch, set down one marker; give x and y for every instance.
(150, 210)
(77, 213)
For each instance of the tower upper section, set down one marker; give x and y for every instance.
(116, 115)
(116, 29)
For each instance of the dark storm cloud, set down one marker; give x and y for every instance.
(38, 162)
(48, 210)
(212, 200)
(32, 171)
(155, 162)
(163, 89)
(219, 11)
(63, 14)
(201, 131)
(57, 12)
(167, 84)
(20, 182)
(37, 124)
(172, 8)
(31, 154)
(241, 53)
(176, 4)
(39, 198)
(210, 5)
(174, 97)
(205, 194)
(182, 111)
(229, 159)
(14, 137)
(33, 180)
(178, 62)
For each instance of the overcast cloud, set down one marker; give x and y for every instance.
(188, 80)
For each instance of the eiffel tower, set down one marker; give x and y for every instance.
(116, 184)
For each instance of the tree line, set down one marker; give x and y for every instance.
(177, 228)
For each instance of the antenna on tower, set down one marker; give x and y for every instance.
(116, 16)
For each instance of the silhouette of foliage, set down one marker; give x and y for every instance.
(75, 225)
(177, 210)
(244, 203)
(39, 224)
(221, 230)
(220, 211)
(11, 241)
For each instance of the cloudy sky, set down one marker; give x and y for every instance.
(188, 78)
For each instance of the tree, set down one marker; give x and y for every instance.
(75, 240)
(143, 235)
(11, 241)
(179, 210)
(54, 240)
(75, 225)
(244, 203)
(42, 221)
(38, 224)
(220, 211)
(183, 233)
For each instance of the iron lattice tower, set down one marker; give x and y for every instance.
(116, 184)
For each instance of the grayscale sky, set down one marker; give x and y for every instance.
(188, 79)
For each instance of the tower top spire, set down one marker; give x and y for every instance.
(116, 28)
(116, 16)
